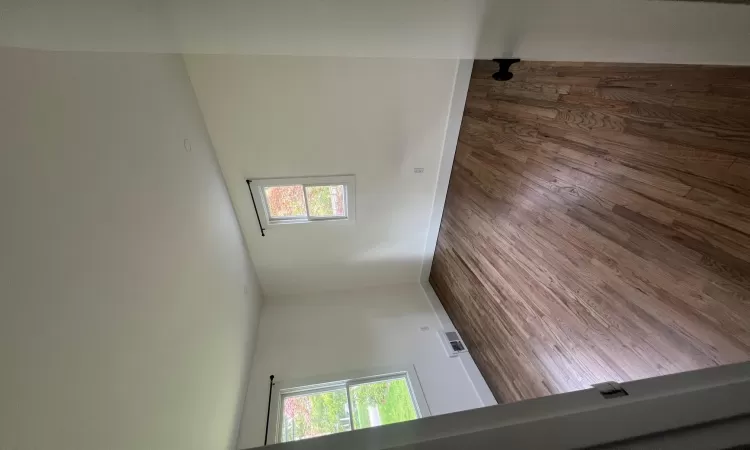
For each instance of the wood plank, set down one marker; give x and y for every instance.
(629, 95)
(597, 224)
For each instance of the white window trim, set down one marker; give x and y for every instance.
(341, 380)
(258, 186)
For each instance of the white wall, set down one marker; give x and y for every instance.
(374, 118)
(124, 320)
(350, 331)
(616, 30)
(558, 30)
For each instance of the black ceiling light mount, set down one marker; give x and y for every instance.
(503, 73)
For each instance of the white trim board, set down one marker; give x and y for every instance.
(484, 394)
(453, 126)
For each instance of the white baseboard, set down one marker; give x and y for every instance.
(472, 371)
(453, 126)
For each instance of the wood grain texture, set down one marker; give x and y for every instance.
(597, 224)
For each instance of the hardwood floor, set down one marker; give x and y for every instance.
(597, 224)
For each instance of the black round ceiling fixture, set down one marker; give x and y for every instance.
(503, 73)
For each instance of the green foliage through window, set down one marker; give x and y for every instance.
(312, 415)
(385, 401)
(325, 201)
(299, 201)
(326, 412)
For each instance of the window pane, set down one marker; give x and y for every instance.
(285, 201)
(318, 414)
(382, 403)
(326, 201)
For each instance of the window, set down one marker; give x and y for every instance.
(352, 404)
(304, 200)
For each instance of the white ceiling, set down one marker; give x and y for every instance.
(591, 30)
(376, 118)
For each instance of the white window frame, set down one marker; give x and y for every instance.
(342, 381)
(258, 188)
